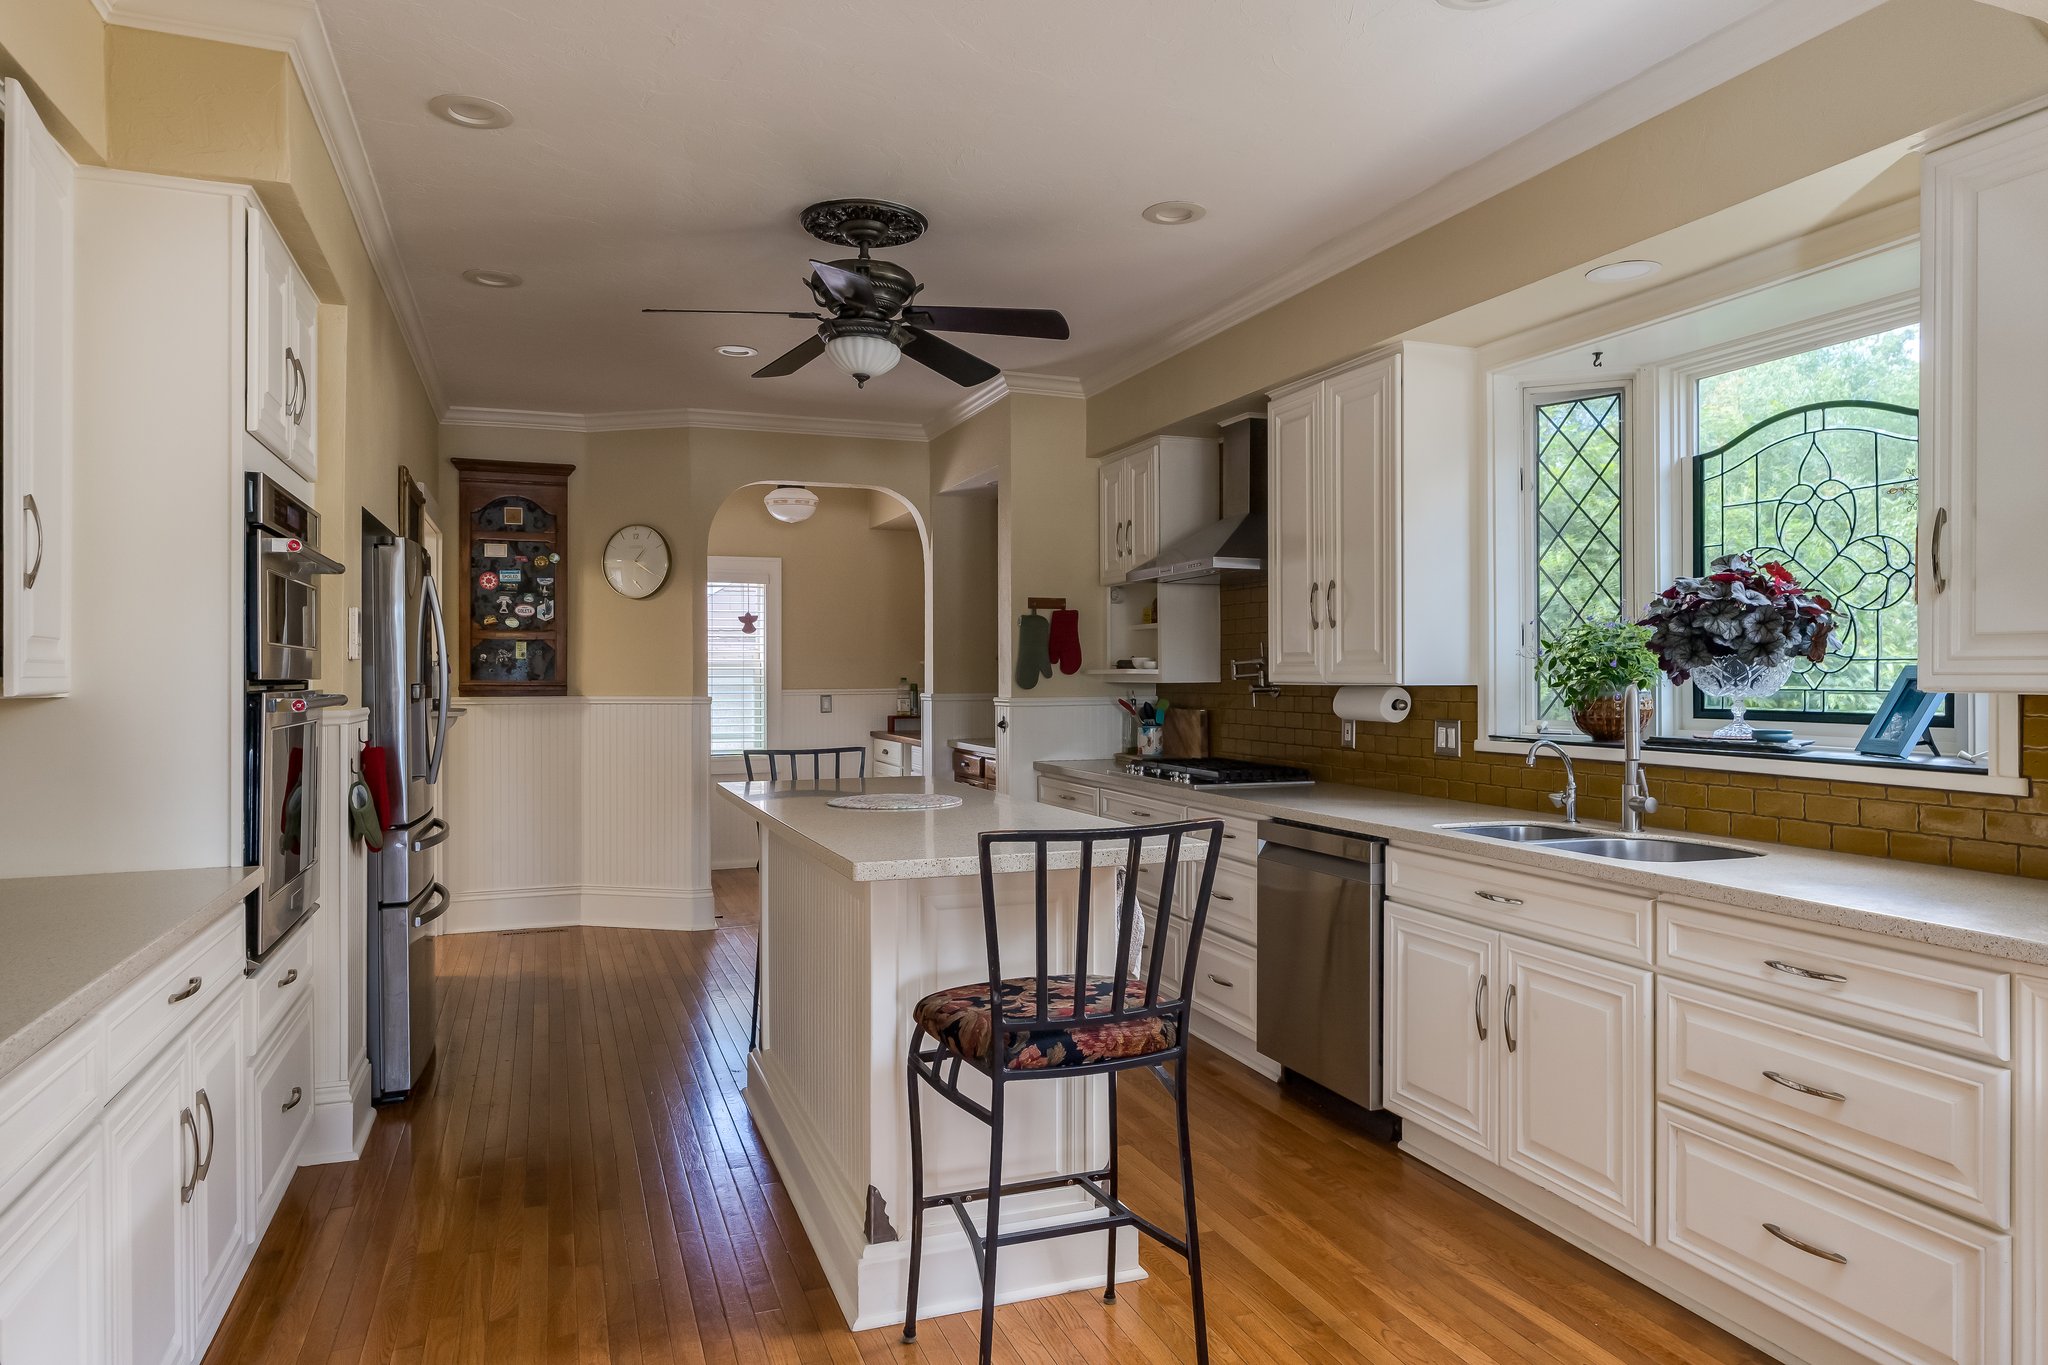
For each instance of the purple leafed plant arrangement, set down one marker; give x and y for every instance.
(1742, 613)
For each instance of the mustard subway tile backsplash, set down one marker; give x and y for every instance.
(1964, 829)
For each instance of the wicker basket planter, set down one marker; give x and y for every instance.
(1602, 718)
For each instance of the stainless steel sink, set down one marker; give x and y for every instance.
(1624, 847)
(1522, 833)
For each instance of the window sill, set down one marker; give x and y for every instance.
(1945, 774)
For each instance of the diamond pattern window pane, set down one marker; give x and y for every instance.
(1578, 470)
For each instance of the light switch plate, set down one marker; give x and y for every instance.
(355, 632)
(1350, 735)
(824, 703)
(1450, 738)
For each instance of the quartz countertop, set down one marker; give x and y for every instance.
(984, 748)
(914, 738)
(69, 944)
(876, 845)
(1972, 912)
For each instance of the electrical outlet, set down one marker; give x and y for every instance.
(355, 632)
(1350, 737)
(1450, 738)
(824, 703)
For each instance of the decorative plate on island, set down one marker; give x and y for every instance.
(896, 801)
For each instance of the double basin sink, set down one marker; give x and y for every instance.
(1633, 848)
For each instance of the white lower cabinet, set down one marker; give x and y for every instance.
(152, 1155)
(218, 1217)
(53, 1301)
(1532, 1056)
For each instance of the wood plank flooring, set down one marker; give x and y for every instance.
(579, 1181)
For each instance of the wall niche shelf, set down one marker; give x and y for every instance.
(513, 603)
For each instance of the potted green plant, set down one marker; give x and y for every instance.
(1590, 666)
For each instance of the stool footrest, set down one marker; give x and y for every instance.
(1120, 1214)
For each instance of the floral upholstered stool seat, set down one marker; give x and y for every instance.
(960, 1019)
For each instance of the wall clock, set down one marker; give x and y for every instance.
(636, 561)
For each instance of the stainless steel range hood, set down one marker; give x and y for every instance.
(1231, 549)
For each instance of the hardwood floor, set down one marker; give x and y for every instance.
(579, 1181)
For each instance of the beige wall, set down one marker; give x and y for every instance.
(1903, 68)
(57, 48)
(852, 596)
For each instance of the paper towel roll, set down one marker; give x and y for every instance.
(1372, 703)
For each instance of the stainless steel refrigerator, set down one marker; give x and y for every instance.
(405, 685)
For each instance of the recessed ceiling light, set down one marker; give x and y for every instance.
(470, 111)
(1614, 272)
(1173, 212)
(1472, 4)
(493, 279)
(737, 352)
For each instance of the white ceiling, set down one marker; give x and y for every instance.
(661, 150)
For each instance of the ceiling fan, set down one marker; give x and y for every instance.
(871, 319)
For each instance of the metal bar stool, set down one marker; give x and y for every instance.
(1061, 1026)
(775, 760)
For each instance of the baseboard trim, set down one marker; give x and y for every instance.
(562, 907)
(1227, 1040)
(341, 1121)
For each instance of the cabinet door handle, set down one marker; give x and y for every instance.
(1934, 549)
(191, 989)
(1314, 621)
(1507, 1016)
(205, 1162)
(35, 515)
(291, 381)
(1809, 1248)
(1227, 985)
(1806, 973)
(288, 978)
(1330, 603)
(1498, 899)
(191, 1126)
(305, 394)
(293, 1102)
(1803, 1088)
(1479, 1007)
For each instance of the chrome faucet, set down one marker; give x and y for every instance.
(1636, 801)
(1568, 799)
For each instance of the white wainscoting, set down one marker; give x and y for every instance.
(579, 810)
(339, 931)
(1052, 727)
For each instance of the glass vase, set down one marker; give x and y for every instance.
(1737, 681)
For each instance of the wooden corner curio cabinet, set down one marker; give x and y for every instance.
(514, 606)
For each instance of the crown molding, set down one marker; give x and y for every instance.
(1716, 60)
(683, 419)
(294, 28)
(999, 388)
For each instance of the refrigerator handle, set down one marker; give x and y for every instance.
(438, 894)
(433, 596)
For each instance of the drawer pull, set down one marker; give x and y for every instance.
(1806, 972)
(1498, 899)
(1479, 1007)
(1227, 985)
(293, 1102)
(288, 978)
(1809, 1248)
(1221, 897)
(1803, 1088)
(1141, 814)
(191, 989)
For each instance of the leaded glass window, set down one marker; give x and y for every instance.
(1577, 494)
(1814, 460)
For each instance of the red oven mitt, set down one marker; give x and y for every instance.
(1066, 640)
(377, 777)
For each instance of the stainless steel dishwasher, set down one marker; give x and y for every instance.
(1319, 956)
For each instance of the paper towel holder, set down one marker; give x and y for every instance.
(1381, 705)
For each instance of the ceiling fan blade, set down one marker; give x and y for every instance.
(1004, 322)
(949, 360)
(735, 312)
(792, 360)
(846, 286)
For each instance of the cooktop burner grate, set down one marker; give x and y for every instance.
(1219, 772)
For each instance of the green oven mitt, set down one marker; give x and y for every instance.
(1034, 649)
(362, 817)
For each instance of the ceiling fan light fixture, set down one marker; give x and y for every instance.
(864, 355)
(1172, 212)
(791, 503)
(469, 111)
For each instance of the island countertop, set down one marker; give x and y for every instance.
(877, 846)
(71, 943)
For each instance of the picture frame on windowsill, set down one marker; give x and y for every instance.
(1901, 721)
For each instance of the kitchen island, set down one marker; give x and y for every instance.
(863, 913)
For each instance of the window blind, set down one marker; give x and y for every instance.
(736, 640)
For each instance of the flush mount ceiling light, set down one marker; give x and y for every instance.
(469, 111)
(737, 352)
(1172, 212)
(791, 502)
(1616, 272)
(493, 279)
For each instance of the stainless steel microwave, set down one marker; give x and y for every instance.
(284, 568)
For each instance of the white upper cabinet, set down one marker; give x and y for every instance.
(36, 323)
(283, 341)
(1984, 409)
(1370, 513)
(1149, 494)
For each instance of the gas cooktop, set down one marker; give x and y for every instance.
(1219, 772)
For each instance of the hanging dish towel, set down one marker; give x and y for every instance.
(377, 777)
(1066, 640)
(1034, 657)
